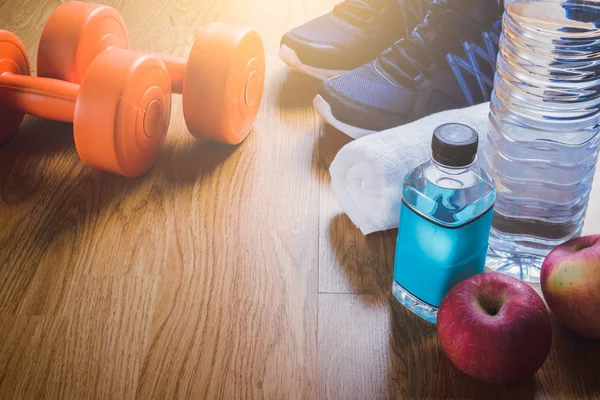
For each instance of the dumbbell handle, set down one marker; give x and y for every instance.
(42, 97)
(176, 68)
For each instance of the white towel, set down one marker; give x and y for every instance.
(367, 174)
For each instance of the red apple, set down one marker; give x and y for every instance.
(494, 328)
(570, 280)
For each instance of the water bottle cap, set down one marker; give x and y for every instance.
(454, 145)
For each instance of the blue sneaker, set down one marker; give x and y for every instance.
(354, 33)
(448, 62)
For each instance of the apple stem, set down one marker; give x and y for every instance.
(580, 246)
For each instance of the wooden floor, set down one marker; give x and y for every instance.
(224, 272)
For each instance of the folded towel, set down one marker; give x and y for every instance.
(367, 174)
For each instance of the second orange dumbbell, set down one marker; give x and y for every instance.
(120, 112)
(221, 82)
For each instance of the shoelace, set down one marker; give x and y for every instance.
(444, 29)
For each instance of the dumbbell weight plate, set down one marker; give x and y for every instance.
(14, 59)
(223, 85)
(74, 35)
(122, 112)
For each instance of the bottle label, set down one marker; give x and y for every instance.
(432, 258)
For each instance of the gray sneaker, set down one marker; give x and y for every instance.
(354, 33)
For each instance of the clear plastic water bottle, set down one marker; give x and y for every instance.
(543, 139)
(445, 221)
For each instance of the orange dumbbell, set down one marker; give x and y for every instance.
(120, 112)
(221, 81)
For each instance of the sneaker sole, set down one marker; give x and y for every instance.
(290, 57)
(324, 110)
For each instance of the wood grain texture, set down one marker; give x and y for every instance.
(370, 347)
(197, 280)
(224, 272)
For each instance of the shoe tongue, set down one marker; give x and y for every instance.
(358, 12)
(379, 4)
(484, 12)
(376, 4)
(395, 3)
